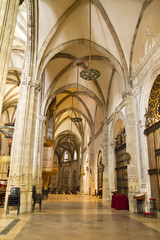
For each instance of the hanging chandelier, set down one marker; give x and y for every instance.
(89, 73)
(76, 118)
(70, 136)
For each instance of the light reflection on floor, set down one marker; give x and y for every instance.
(79, 217)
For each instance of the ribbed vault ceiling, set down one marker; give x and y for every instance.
(63, 42)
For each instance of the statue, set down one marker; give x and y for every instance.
(150, 41)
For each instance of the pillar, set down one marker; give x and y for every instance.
(131, 145)
(91, 169)
(8, 18)
(81, 174)
(106, 191)
(38, 152)
(22, 156)
(39, 142)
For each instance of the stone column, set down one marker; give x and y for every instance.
(39, 140)
(81, 175)
(141, 141)
(106, 191)
(60, 171)
(38, 152)
(70, 177)
(111, 154)
(8, 18)
(142, 153)
(22, 156)
(131, 145)
(91, 169)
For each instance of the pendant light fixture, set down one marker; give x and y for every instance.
(70, 136)
(77, 119)
(89, 73)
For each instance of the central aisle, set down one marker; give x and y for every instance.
(82, 218)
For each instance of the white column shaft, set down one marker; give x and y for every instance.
(8, 17)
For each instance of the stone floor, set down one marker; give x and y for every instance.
(64, 217)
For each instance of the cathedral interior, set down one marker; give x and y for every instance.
(80, 101)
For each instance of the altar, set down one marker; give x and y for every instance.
(120, 202)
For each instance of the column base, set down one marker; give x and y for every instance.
(25, 202)
(105, 194)
(131, 201)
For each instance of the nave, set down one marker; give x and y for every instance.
(66, 217)
(69, 126)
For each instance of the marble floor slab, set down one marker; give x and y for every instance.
(66, 217)
(86, 218)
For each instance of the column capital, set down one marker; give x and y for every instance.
(127, 93)
(32, 82)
